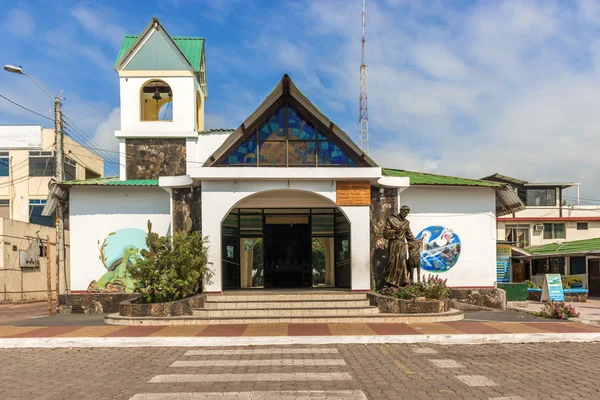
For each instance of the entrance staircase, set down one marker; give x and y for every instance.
(314, 306)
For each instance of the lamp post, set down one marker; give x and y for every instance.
(58, 173)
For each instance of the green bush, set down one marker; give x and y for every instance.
(558, 310)
(531, 285)
(173, 267)
(430, 287)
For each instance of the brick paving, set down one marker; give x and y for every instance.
(239, 330)
(373, 371)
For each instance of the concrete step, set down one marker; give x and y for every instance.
(292, 296)
(299, 304)
(285, 312)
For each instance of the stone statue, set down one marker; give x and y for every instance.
(397, 231)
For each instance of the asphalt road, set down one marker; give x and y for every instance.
(516, 371)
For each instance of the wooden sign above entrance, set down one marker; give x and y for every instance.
(353, 193)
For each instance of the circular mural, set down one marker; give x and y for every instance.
(440, 248)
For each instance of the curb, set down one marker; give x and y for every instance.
(296, 340)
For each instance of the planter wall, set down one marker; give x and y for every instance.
(491, 298)
(91, 303)
(130, 308)
(392, 305)
(569, 297)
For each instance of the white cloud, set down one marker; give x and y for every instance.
(99, 24)
(19, 22)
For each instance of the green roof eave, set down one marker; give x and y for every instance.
(573, 247)
(111, 181)
(422, 178)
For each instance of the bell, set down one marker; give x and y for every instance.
(156, 96)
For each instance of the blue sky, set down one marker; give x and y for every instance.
(460, 88)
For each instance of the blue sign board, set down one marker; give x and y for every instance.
(553, 290)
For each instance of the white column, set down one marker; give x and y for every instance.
(122, 160)
(360, 245)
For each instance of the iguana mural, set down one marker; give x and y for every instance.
(117, 252)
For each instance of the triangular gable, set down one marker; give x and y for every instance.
(311, 138)
(154, 49)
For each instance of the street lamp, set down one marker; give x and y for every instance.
(58, 171)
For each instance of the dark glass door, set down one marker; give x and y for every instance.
(287, 255)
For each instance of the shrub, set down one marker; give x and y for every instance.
(531, 285)
(173, 267)
(431, 287)
(558, 310)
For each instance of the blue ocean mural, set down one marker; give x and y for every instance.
(440, 248)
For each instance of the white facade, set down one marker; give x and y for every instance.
(470, 214)
(96, 212)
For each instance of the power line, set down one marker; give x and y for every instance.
(25, 108)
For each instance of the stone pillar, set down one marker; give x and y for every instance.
(187, 209)
(384, 202)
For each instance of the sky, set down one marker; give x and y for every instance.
(464, 88)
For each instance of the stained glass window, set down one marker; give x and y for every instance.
(303, 145)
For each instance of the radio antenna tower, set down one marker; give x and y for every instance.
(363, 122)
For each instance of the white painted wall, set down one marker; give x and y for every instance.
(97, 211)
(470, 213)
(20, 136)
(219, 197)
(200, 148)
(184, 106)
(536, 238)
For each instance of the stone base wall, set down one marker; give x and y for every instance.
(91, 303)
(491, 298)
(573, 297)
(187, 209)
(129, 308)
(150, 158)
(384, 203)
(392, 305)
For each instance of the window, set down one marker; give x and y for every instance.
(286, 138)
(69, 169)
(4, 208)
(578, 266)
(4, 163)
(554, 231)
(156, 101)
(518, 233)
(582, 226)
(548, 266)
(35, 213)
(539, 197)
(41, 163)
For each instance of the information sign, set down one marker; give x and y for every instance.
(553, 290)
(353, 193)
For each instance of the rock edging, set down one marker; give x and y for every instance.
(393, 305)
(130, 307)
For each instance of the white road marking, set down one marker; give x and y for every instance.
(259, 363)
(425, 350)
(446, 363)
(275, 377)
(257, 395)
(476, 380)
(260, 351)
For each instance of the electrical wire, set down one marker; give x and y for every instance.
(25, 108)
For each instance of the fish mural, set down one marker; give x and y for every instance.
(440, 249)
(117, 252)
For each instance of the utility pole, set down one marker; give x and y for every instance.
(363, 121)
(59, 159)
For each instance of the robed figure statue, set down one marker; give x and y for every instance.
(397, 231)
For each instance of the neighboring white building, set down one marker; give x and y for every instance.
(548, 217)
(287, 199)
(27, 165)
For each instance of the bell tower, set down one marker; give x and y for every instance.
(163, 89)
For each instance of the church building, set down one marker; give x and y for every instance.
(287, 199)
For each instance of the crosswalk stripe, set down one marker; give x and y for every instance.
(259, 363)
(261, 351)
(292, 376)
(257, 395)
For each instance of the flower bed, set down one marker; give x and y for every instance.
(132, 307)
(393, 305)
(571, 295)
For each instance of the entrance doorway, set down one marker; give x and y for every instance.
(287, 255)
(594, 278)
(285, 248)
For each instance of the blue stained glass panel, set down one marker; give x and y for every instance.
(273, 127)
(330, 154)
(298, 127)
(243, 155)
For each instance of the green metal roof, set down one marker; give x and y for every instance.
(191, 47)
(217, 130)
(111, 181)
(576, 246)
(421, 178)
